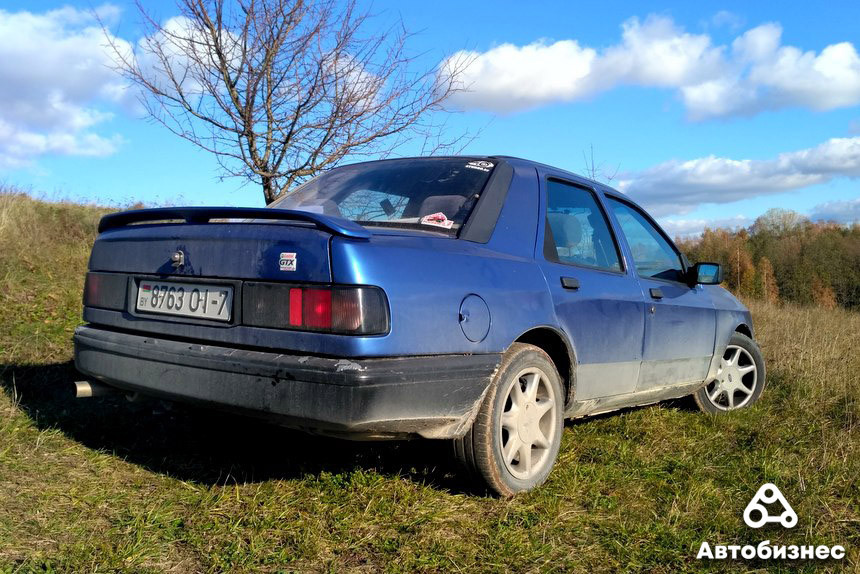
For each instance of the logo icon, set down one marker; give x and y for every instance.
(756, 513)
(287, 262)
(480, 165)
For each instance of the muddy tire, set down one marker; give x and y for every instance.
(514, 441)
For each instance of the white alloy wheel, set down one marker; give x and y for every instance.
(515, 438)
(736, 380)
(528, 424)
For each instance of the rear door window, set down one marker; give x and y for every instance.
(577, 231)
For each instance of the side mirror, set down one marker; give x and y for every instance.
(706, 274)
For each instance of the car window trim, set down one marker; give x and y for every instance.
(481, 221)
(585, 267)
(649, 219)
(618, 253)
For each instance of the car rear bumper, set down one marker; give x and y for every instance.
(430, 396)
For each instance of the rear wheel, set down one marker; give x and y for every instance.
(740, 378)
(515, 438)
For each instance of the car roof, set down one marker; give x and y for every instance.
(513, 160)
(572, 175)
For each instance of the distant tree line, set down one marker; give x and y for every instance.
(784, 256)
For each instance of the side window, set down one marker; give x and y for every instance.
(652, 254)
(577, 231)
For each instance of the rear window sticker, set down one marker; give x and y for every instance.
(480, 165)
(437, 220)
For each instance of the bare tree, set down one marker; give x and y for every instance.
(778, 221)
(279, 90)
(597, 171)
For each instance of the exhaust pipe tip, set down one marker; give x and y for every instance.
(86, 389)
(83, 389)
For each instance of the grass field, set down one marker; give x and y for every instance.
(106, 485)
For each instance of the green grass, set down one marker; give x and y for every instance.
(106, 485)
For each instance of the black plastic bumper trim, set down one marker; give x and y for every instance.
(433, 396)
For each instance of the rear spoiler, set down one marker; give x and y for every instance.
(334, 225)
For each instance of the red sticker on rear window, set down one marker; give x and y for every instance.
(437, 220)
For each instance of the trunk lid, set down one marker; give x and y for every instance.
(247, 249)
(220, 250)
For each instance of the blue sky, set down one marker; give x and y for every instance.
(709, 113)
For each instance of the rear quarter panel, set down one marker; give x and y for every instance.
(427, 278)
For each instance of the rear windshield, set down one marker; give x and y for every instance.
(427, 193)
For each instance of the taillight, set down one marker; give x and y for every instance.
(105, 290)
(316, 308)
(92, 290)
(340, 309)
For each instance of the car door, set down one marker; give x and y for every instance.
(597, 301)
(680, 320)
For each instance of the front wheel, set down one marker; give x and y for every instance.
(740, 378)
(515, 438)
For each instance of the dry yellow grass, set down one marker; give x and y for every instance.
(815, 353)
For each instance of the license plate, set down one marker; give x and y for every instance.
(213, 302)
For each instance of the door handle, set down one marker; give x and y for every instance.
(656, 293)
(570, 283)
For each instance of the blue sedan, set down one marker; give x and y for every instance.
(481, 300)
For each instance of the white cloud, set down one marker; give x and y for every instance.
(726, 19)
(766, 75)
(657, 53)
(691, 227)
(756, 72)
(844, 212)
(840, 211)
(57, 85)
(508, 77)
(678, 187)
(164, 56)
(652, 53)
